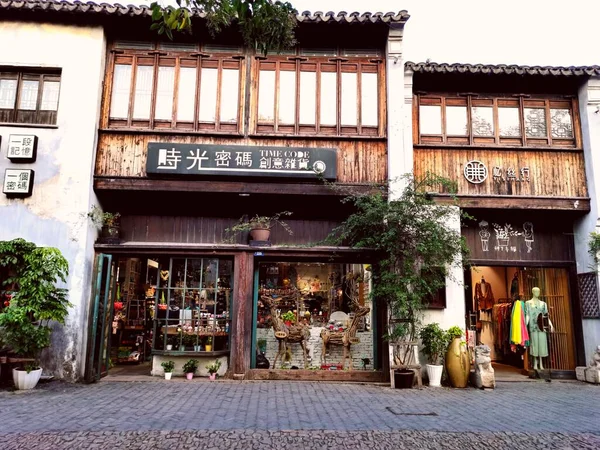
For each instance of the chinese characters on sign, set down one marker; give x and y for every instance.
(476, 172)
(22, 147)
(232, 160)
(506, 236)
(522, 175)
(18, 182)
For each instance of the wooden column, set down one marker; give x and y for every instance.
(241, 337)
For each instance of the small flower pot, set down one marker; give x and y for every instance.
(169, 347)
(182, 348)
(24, 380)
(260, 234)
(212, 376)
(434, 373)
(208, 348)
(189, 376)
(197, 348)
(168, 375)
(110, 235)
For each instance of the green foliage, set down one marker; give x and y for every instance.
(101, 218)
(594, 245)
(454, 332)
(260, 223)
(261, 343)
(415, 246)
(288, 316)
(265, 25)
(36, 299)
(191, 366)
(168, 366)
(214, 367)
(434, 340)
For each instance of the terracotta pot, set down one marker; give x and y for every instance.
(190, 375)
(458, 364)
(260, 234)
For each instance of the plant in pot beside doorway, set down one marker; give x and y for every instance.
(36, 302)
(402, 338)
(168, 367)
(259, 227)
(434, 342)
(108, 223)
(189, 368)
(213, 369)
(458, 363)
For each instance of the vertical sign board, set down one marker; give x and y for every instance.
(18, 182)
(22, 148)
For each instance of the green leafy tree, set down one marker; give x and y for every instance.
(416, 248)
(265, 25)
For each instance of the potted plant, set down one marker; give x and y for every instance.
(108, 223)
(262, 345)
(208, 345)
(189, 368)
(458, 364)
(170, 341)
(434, 342)
(35, 303)
(168, 367)
(288, 318)
(402, 337)
(213, 369)
(259, 227)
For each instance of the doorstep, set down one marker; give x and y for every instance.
(361, 376)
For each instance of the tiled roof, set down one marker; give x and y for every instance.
(498, 69)
(133, 10)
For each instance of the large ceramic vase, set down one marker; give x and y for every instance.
(458, 364)
(24, 380)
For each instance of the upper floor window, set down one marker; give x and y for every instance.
(175, 86)
(320, 91)
(29, 96)
(482, 120)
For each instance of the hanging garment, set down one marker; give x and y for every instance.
(518, 330)
(484, 301)
(538, 337)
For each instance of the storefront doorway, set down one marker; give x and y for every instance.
(491, 305)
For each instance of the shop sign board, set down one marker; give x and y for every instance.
(18, 182)
(237, 160)
(476, 172)
(22, 147)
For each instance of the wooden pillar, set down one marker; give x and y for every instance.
(241, 315)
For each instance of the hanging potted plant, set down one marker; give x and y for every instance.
(213, 369)
(108, 223)
(168, 367)
(34, 304)
(458, 364)
(189, 368)
(434, 342)
(259, 227)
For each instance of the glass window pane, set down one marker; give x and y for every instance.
(194, 273)
(119, 102)
(328, 98)
(562, 126)
(186, 94)
(369, 99)
(208, 95)
(308, 97)
(8, 93)
(509, 122)
(50, 95)
(535, 122)
(456, 120)
(29, 93)
(143, 92)
(287, 97)
(266, 96)
(349, 99)
(230, 88)
(430, 119)
(165, 88)
(482, 120)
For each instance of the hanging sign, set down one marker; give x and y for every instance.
(247, 161)
(22, 147)
(18, 182)
(476, 172)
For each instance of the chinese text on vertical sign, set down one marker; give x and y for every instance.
(22, 147)
(18, 182)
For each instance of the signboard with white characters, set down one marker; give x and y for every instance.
(22, 147)
(18, 182)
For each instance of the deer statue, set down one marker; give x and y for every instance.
(344, 338)
(294, 334)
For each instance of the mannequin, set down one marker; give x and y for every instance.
(538, 347)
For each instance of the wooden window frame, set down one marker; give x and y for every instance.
(520, 101)
(177, 59)
(37, 116)
(303, 63)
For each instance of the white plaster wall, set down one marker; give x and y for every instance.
(55, 215)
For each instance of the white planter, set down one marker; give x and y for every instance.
(434, 373)
(169, 347)
(168, 375)
(24, 380)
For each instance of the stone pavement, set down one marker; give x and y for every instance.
(228, 414)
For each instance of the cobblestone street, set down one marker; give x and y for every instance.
(227, 414)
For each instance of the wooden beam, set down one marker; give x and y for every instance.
(146, 184)
(241, 314)
(576, 204)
